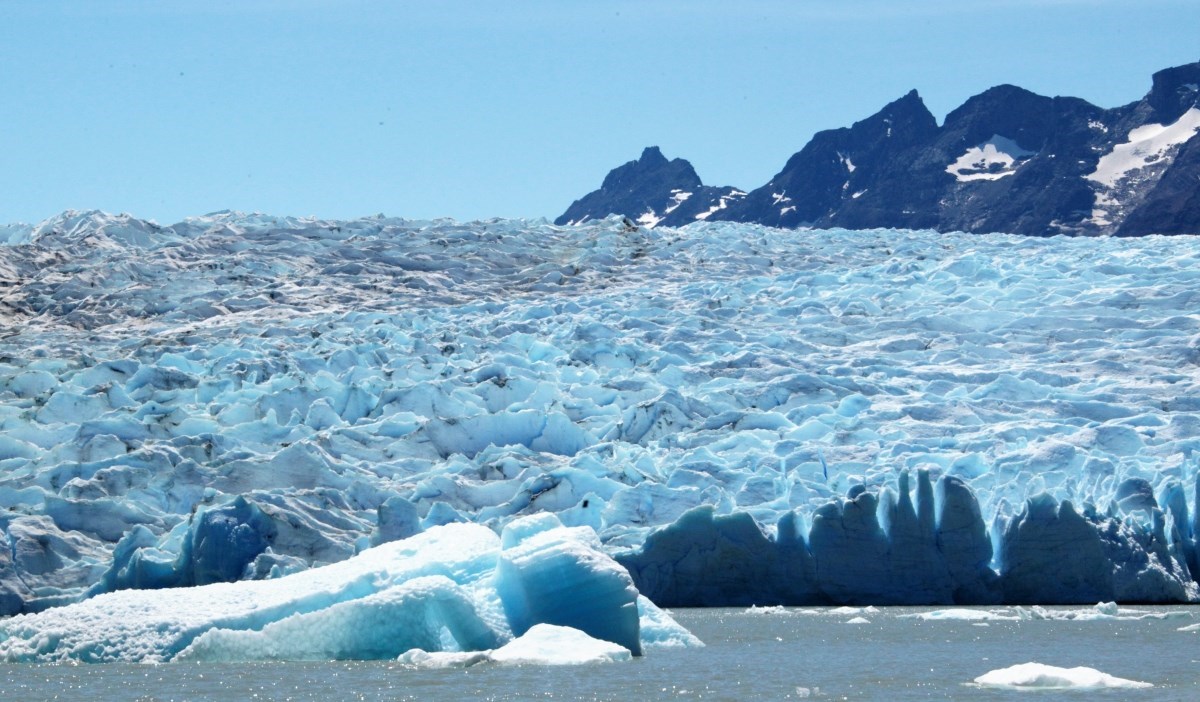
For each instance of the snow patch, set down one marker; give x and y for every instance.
(996, 158)
(1146, 145)
(722, 203)
(1123, 172)
(649, 219)
(678, 197)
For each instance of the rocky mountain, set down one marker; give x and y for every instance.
(652, 190)
(1007, 160)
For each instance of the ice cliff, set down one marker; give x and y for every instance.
(742, 414)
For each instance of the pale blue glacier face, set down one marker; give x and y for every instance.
(241, 396)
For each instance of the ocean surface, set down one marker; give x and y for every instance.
(764, 655)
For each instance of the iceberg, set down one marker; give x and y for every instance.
(543, 644)
(1038, 676)
(442, 591)
(742, 415)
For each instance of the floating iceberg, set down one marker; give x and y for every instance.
(963, 615)
(743, 415)
(453, 589)
(1037, 676)
(543, 644)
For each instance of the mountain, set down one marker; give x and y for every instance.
(1007, 160)
(653, 191)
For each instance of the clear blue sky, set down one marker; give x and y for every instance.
(500, 108)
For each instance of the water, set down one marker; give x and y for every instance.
(748, 656)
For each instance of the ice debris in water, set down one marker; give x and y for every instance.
(457, 588)
(1104, 611)
(1038, 676)
(543, 644)
(872, 416)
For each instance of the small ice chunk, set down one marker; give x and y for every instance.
(962, 615)
(548, 644)
(419, 658)
(1047, 677)
(776, 609)
(859, 620)
(543, 644)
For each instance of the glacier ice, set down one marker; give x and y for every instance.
(743, 415)
(444, 590)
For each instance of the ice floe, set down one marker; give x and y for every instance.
(1038, 676)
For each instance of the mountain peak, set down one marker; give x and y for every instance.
(678, 173)
(909, 104)
(651, 156)
(1175, 90)
(651, 190)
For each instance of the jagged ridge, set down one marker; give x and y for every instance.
(1007, 160)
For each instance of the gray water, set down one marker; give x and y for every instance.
(748, 657)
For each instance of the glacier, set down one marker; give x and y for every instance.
(742, 415)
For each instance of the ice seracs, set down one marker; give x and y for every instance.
(739, 413)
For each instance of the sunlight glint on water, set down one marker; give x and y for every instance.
(800, 654)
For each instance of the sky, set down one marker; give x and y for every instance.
(474, 109)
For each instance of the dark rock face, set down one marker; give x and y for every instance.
(1007, 160)
(652, 191)
(828, 179)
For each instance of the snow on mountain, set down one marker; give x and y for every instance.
(1146, 145)
(994, 159)
(1006, 160)
(742, 414)
(1140, 160)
